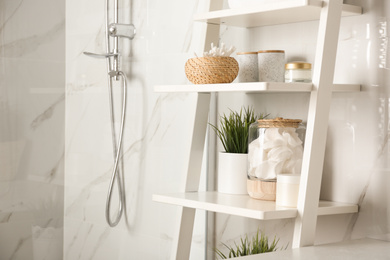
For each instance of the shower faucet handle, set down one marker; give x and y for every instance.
(101, 55)
(122, 30)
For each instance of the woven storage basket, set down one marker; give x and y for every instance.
(211, 70)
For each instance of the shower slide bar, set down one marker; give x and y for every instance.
(115, 30)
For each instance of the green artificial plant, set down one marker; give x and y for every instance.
(255, 246)
(233, 130)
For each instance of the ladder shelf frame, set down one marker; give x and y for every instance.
(317, 124)
(309, 207)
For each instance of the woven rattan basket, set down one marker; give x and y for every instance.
(211, 70)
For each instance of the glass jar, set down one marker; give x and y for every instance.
(275, 147)
(271, 65)
(298, 72)
(247, 63)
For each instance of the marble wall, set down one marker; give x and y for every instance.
(156, 130)
(46, 214)
(32, 107)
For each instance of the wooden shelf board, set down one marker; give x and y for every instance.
(252, 87)
(272, 13)
(245, 206)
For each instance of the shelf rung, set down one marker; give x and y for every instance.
(364, 248)
(289, 11)
(334, 208)
(252, 87)
(239, 205)
(245, 206)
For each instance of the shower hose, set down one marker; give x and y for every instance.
(117, 151)
(114, 73)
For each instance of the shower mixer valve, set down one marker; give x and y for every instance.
(122, 30)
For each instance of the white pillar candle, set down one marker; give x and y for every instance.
(287, 189)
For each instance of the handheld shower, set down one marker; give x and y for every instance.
(115, 30)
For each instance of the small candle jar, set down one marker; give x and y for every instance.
(298, 72)
(271, 66)
(287, 190)
(247, 63)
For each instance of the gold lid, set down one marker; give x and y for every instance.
(246, 52)
(298, 65)
(278, 122)
(270, 51)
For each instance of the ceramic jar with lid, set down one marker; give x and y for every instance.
(298, 71)
(248, 70)
(271, 65)
(275, 147)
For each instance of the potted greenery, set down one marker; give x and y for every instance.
(257, 245)
(232, 163)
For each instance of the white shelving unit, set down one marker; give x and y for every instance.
(329, 13)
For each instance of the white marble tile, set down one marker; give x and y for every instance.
(32, 79)
(29, 33)
(155, 124)
(47, 242)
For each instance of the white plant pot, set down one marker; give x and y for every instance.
(232, 173)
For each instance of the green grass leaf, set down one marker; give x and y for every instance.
(256, 245)
(233, 129)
